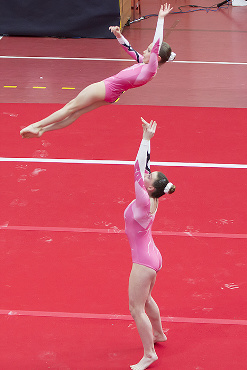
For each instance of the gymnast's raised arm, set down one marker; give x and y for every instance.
(142, 170)
(125, 44)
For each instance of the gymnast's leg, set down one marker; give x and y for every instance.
(153, 312)
(70, 119)
(87, 98)
(140, 281)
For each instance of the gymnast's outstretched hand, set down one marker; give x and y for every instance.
(116, 31)
(164, 10)
(148, 129)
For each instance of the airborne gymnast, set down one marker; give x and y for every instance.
(108, 91)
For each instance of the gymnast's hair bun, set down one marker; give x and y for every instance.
(173, 188)
(170, 188)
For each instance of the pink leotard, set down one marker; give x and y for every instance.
(138, 74)
(139, 219)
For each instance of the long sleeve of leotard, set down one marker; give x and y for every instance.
(159, 32)
(129, 50)
(143, 157)
(142, 164)
(158, 36)
(151, 68)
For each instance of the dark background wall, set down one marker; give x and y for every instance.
(59, 18)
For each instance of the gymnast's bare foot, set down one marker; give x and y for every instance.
(160, 338)
(145, 362)
(31, 131)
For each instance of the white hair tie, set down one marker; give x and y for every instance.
(172, 57)
(168, 187)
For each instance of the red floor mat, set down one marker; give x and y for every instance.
(84, 266)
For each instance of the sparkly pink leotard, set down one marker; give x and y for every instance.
(138, 74)
(139, 219)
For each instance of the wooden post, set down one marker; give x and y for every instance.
(125, 12)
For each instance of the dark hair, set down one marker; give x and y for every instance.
(165, 52)
(160, 185)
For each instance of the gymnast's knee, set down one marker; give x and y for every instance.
(135, 310)
(149, 301)
(72, 106)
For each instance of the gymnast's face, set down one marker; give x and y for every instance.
(149, 179)
(147, 53)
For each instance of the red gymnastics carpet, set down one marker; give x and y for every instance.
(65, 259)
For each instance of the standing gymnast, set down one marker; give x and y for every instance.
(147, 261)
(109, 90)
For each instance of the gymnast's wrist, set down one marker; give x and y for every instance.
(161, 20)
(145, 141)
